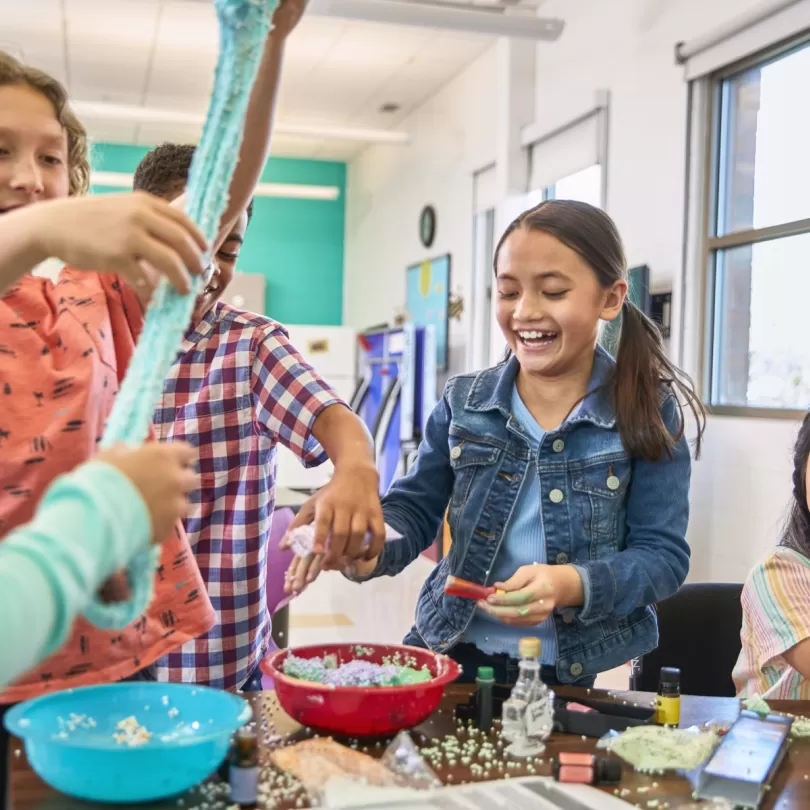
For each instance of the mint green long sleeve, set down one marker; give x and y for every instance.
(88, 525)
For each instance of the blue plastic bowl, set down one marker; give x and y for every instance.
(191, 730)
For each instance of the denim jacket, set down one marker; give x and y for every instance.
(627, 538)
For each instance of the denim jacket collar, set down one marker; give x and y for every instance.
(492, 391)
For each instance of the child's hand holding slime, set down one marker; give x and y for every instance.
(306, 565)
(455, 586)
(533, 593)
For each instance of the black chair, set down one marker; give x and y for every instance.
(699, 632)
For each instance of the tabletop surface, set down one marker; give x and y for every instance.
(790, 788)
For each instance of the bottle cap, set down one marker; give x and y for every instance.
(529, 647)
(608, 771)
(670, 676)
(486, 674)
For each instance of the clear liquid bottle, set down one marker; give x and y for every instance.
(527, 690)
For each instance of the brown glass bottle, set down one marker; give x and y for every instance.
(243, 774)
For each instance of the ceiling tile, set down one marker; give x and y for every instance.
(108, 60)
(112, 22)
(313, 41)
(369, 45)
(409, 87)
(31, 17)
(32, 32)
(162, 53)
(188, 26)
(460, 50)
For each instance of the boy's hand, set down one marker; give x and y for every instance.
(287, 16)
(133, 235)
(303, 571)
(343, 512)
(163, 474)
(533, 593)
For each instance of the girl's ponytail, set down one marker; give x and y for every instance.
(642, 368)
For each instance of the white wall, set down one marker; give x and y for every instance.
(743, 482)
(453, 135)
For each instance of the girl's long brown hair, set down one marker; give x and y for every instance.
(14, 72)
(642, 366)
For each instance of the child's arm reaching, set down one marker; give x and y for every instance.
(413, 508)
(89, 525)
(115, 233)
(348, 508)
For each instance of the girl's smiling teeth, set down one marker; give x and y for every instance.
(536, 337)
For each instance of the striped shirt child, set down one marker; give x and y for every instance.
(776, 617)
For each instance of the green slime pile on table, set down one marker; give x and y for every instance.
(329, 672)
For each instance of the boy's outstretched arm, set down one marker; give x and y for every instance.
(348, 507)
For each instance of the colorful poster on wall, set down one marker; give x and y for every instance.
(427, 298)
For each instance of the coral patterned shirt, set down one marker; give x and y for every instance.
(64, 349)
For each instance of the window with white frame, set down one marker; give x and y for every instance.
(758, 239)
(485, 202)
(568, 164)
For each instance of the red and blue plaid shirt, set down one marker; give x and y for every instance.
(237, 389)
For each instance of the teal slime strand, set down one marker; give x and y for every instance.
(244, 26)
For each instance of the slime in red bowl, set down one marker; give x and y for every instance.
(361, 711)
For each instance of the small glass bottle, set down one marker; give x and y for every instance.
(668, 701)
(528, 689)
(243, 774)
(483, 699)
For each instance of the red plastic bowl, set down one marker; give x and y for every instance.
(361, 711)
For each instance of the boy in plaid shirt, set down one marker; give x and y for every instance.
(237, 389)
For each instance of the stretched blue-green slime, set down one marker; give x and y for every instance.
(244, 26)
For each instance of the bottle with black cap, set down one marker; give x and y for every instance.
(668, 701)
(483, 702)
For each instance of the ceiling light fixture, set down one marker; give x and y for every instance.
(93, 110)
(494, 21)
(290, 191)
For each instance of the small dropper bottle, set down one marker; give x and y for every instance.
(243, 775)
(668, 701)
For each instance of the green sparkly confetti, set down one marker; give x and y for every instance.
(651, 749)
(757, 705)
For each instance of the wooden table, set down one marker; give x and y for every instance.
(791, 789)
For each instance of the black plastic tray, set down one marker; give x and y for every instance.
(606, 715)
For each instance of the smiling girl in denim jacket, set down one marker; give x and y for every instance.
(564, 473)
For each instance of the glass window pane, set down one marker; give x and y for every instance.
(585, 186)
(764, 159)
(761, 351)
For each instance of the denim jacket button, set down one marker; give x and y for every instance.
(558, 446)
(576, 670)
(613, 483)
(561, 558)
(455, 452)
(556, 496)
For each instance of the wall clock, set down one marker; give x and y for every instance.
(427, 226)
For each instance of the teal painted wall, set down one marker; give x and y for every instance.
(297, 245)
